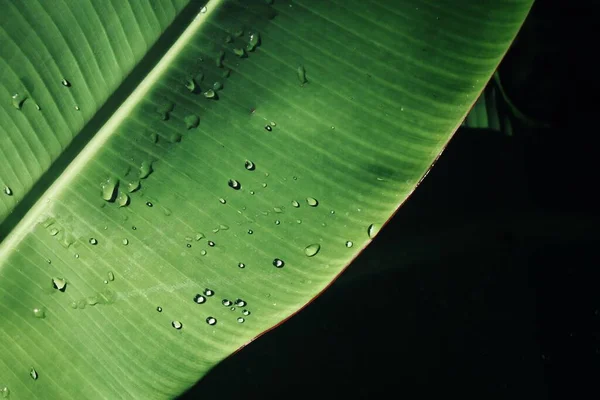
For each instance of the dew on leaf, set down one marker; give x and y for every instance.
(226, 303)
(111, 276)
(268, 128)
(39, 312)
(53, 231)
(240, 52)
(93, 241)
(295, 203)
(125, 242)
(59, 284)
(277, 222)
(199, 236)
(149, 204)
(208, 292)
(372, 230)
(210, 94)
(18, 100)
(250, 231)
(190, 84)
(222, 200)
(199, 299)
(65, 82)
(254, 41)
(191, 121)
(301, 72)
(246, 312)
(250, 166)
(132, 186)
(311, 201)
(203, 252)
(242, 265)
(217, 86)
(234, 184)
(159, 309)
(109, 188)
(123, 199)
(240, 320)
(220, 58)
(278, 263)
(4, 392)
(33, 374)
(211, 320)
(177, 325)
(211, 243)
(240, 303)
(145, 169)
(349, 244)
(154, 137)
(8, 191)
(312, 249)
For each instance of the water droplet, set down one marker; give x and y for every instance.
(226, 72)
(199, 236)
(234, 184)
(4, 392)
(311, 201)
(105, 281)
(298, 221)
(210, 94)
(65, 82)
(220, 58)
(109, 188)
(278, 263)
(240, 320)
(149, 204)
(349, 244)
(217, 86)
(232, 308)
(159, 309)
(132, 186)
(125, 242)
(154, 137)
(268, 128)
(277, 222)
(73, 304)
(203, 10)
(264, 185)
(208, 292)
(191, 121)
(203, 252)
(190, 84)
(295, 203)
(111, 276)
(145, 169)
(254, 41)
(222, 200)
(226, 302)
(228, 39)
(211, 320)
(278, 210)
(8, 191)
(77, 108)
(123, 199)
(199, 299)
(332, 212)
(165, 108)
(301, 72)
(189, 246)
(39, 312)
(176, 324)
(250, 166)
(76, 255)
(211, 243)
(246, 312)
(93, 241)
(252, 192)
(241, 53)
(242, 265)
(312, 249)
(373, 230)
(240, 303)
(134, 228)
(59, 284)
(53, 231)
(223, 227)
(174, 137)
(238, 32)
(250, 231)
(92, 300)
(33, 374)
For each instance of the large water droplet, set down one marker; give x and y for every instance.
(254, 41)
(312, 249)
(93, 241)
(242, 265)
(202, 252)
(349, 244)
(250, 166)
(176, 324)
(226, 303)
(123, 199)
(373, 230)
(311, 201)
(295, 203)
(165, 108)
(18, 100)
(277, 222)
(211, 320)
(278, 263)
(132, 186)
(109, 188)
(8, 191)
(191, 121)
(145, 169)
(234, 184)
(199, 299)
(208, 292)
(301, 72)
(240, 303)
(59, 284)
(39, 312)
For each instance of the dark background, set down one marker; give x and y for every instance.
(485, 284)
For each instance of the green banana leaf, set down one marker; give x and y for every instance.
(179, 177)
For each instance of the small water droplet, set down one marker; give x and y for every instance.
(77, 108)
(18, 100)
(312, 249)
(252, 192)
(109, 188)
(76, 255)
(5, 392)
(125, 242)
(159, 309)
(301, 72)
(220, 58)
(234, 184)
(189, 246)
(278, 263)
(39, 312)
(253, 41)
(8, 191)
(349, 244)
(203, 10)
(264, 185)
(226, 302)
(250, 231)
(211, 320)
(250, 166)
(226, 72)
(295, 203)
(240, 52)
(123, 199)
(298, 221)
(59, 284)
(228, 39)
(203, 252)
(154, 137)
(92, 300)
(33, 374)
(240, 303)
(145, 169)
(311, 201)
(232, 308)
(177, 325)
(53, 231)
(268, 128)
(240, 320)
(217, 86)
(242, 265)
(277, 222)
(65, 82)
(93, 241)
(73, 304)
(191, 121)
(332, 212)
(149, 204)
(132, 186)
(211, 243)
(199, 299)
(208, 292)
(222, 200)
(190, 84)
(246, 312)
(199, 236)
(111, 276)
(210, 94)
(278, 209)
(373, 230)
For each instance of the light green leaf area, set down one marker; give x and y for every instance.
(240, 176)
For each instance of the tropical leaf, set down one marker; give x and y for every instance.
(159, 221)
